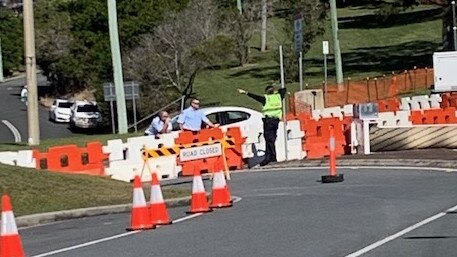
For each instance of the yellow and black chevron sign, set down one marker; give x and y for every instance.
(167, 151)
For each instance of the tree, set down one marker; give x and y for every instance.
(73, 37)
(167, 61)
(12, 40)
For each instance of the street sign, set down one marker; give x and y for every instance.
(131, 91)
(298, 34)
(367, 111)
(325, 49)
(200, 152)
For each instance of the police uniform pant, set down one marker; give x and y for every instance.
(270, 130)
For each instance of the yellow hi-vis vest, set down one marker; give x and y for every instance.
(273, 106)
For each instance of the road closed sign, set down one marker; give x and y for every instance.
(200, 152)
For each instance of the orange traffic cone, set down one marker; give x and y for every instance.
(158, 209)
(10, 241)
(199, 201)
(140, 212)
(221, 195)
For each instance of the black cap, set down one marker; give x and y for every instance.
(269, 87)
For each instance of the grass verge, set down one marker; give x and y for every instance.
(35, 191)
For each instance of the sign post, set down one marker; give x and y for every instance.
(298, 44)
(132, 92)
(283, 85)
(325, 51)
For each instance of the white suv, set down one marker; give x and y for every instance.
(85, 114)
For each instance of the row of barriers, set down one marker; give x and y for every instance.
(307, 136)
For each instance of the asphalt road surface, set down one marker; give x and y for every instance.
(374, 212)
(13, 115)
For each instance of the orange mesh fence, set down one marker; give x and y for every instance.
(373, 89)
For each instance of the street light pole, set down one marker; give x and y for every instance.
(336, 46)
(117, 68)
(1, 62)
(30, 63)
(454, 27)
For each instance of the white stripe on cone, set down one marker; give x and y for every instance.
(156, 194)
(219, 181)
(8, 224)
(197, 185)
(138, 198)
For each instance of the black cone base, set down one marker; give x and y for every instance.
(333, 179)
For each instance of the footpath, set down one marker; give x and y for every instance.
(433, 158)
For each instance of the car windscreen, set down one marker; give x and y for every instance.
(87, 108)
(65, 105)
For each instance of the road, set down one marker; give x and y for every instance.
(14, 114)
(374, 212)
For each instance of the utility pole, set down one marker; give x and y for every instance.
(117, 68)
(263, 36)
(1, 62)
(454, 27)
(30, 63)
(239, 6)
(336, 46)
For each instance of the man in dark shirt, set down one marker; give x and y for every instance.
(272, 112)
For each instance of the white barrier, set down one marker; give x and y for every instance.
(394, 119)
(23, 158)
(294, 142)
(421, 102)
(124, 166)
(331, 112)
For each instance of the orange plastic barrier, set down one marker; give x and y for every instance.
(73, 159)
(448, 100)
(234, 156)
(390, 105)
(434, 116)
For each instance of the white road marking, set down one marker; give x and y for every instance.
(87, 244)
(16, 134)
(399, 234)
(235, 199)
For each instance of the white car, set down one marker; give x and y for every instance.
(60, 110)
(85, 114)
(229, 116)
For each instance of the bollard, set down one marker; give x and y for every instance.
(333, 177)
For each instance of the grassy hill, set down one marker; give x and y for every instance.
(369, 48)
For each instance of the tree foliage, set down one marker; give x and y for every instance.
(167, 60)
(12, 40)
(73, 46)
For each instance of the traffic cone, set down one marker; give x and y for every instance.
(158, 209)
(333, 177)
(199, 202)
(140, 212)
(220, 195)
(10, 241)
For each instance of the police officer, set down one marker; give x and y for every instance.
(272, 114)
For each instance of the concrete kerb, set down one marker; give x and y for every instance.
(41, 218)
(444, 164)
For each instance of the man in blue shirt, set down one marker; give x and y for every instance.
(191, 118)
(159, 125)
